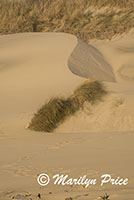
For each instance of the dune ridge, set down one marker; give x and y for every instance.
(79, 61)
(27, 56)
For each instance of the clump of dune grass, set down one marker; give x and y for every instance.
(58, 109)
(55, 111)
(88, 92)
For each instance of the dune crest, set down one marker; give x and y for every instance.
(36, 66)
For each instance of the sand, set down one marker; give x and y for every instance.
(98, 140)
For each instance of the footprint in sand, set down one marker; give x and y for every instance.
(59, 145)
(68, 142)
(2, 134)
(17, 170)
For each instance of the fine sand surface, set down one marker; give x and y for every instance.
(96, 141)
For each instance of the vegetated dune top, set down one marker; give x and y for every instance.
(37, 66)
(86, 19)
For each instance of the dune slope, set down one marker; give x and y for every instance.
(116, 112)
(35, 67)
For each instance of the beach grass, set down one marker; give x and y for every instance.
(58, 109)
(86, 19)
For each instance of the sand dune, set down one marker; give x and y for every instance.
(118, 106)
(37, 66)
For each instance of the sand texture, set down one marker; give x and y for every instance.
(97, 140)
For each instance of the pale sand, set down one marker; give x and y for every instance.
(98, 140)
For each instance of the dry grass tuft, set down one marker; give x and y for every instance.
(88, 92)
(57, 110)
